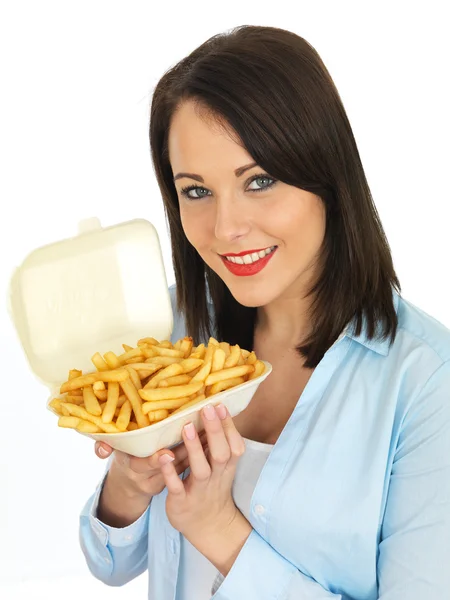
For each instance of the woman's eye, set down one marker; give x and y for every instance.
(201, 192)
(260, 178)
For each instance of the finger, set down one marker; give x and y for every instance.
(174, 484)
(200, 467)
(219, 448)
(102, 450)
(235, 440)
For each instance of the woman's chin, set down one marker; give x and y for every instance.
(251, 296)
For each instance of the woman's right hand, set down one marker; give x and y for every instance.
(142, 476)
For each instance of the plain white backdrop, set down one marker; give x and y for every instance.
(76, 81)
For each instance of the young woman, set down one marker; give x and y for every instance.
(334, 483)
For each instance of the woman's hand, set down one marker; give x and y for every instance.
(202, 504)
(143, 475)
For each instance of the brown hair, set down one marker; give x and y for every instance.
(272, 89)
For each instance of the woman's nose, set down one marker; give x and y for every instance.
(232, 220)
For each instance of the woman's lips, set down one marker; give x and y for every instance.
(251, 269)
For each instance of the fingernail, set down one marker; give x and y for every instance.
(102, 452)
(190, 431)
(164, 459)
(221, 411)
(210, 413)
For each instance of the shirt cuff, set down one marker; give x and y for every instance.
(115, 536)
(257, 556)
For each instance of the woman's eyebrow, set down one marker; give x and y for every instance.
(238, 172)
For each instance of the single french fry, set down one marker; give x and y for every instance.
(213, 341)
(148, 340)
(186, 346)
(158, 415)
(134, 377)
(176, 380)
(169, 404)
(77, 392)
(91, 404)
(169, 371)
(145, 366)
(101, 394)
(190, 403)
(148, 351)
(75, 373)
(177, 391)
(87, 427)
(226, 348)
(165, 344)
(100, 390)
(229, 373)
(99, 362)
(259, 369)
(126, 347)
(165, 361)
(112, 360)
(133, 396)
(70, 422)
(251, 358)
(190, 364)
(121, 400)
(55, 403)
(91, 378)
(234, 357)
(203, 373)
(245, 353)
(177, 345)
(64, 410)
(209, 354)
(226, 384)
(74, 399)
(124, 416)
(133, 353)
(79, 411)
(218, 362)
(111, 403)
(241, 360)
(132, 426)
(132, 361)
(168, 352)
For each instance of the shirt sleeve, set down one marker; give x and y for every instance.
(414, 550)
(113, 555)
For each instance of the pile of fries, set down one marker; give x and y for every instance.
(147, 384)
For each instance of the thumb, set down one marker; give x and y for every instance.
(102, 450)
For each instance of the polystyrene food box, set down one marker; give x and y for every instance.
(92, 293)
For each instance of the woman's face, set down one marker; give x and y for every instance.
(272, 232)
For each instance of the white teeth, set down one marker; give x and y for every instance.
(248, 259)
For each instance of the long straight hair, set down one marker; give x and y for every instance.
(271, 88)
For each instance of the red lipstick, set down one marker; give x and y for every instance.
(246, 270)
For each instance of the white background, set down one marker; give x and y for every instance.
(76, 81)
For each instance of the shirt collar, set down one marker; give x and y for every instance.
(377, 344)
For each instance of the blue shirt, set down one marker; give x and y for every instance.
(353, 502)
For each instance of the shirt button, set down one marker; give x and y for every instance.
(128, 538)
(259, 510)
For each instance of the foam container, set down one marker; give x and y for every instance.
(92, 293)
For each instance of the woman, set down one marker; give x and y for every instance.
(334, 483)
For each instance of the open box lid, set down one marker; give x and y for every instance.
(90, 293)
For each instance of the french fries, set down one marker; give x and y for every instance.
(149, 383)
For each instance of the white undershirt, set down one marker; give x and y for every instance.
(198, 578)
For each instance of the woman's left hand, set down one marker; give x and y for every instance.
(202, 504)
